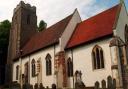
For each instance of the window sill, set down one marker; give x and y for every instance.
(33, 76)
(99, 69)
(49, 75)
(70, 76)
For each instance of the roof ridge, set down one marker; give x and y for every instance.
(54, 24)
(95, 27)
(72, 34)
(117, 16)
(37, 33)
(101, 12)
(47, 37)
(59, 21)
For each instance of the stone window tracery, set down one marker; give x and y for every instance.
(69, 67)
(48, 64)
(17, 72)
(33, 66)
(98, 57)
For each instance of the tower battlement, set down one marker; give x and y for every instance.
(25, 6)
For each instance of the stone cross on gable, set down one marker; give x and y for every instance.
(121, 1)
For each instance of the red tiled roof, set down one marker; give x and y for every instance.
(95, 27)
(47, 37)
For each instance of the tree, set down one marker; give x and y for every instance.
(4, 41)
(4, 33)
(42, 25)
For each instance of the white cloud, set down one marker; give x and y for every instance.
(52, 11)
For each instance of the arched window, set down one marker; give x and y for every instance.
(33, 66)
(102, 58)
(17, 72)
(98, 57)
(26, 72)
(69, 67)
(48, 64)
(126, 33)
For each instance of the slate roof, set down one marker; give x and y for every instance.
(47, 37)
(95, 27)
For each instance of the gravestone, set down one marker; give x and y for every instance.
(36, 86)
(26, 86)
(97, 85)
(79, 85)
(15, 86)
(47, 87)
(31, 86)
(53, 86)
(41, 86)
(109, 82)
(103, 82)
(114, 83)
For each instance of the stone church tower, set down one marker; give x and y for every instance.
(24, 25)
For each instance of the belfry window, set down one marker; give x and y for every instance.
(126, 33)
(69, 67)
(17, 72)
(28, 19)
(48, 64)
(33, 66)
(98, 57)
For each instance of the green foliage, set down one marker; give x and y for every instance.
(4, 33)
(42, 25)
(4, 40)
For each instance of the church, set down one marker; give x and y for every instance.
(69, 51)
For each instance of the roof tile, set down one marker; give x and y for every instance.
(95, 27)
(47, 37)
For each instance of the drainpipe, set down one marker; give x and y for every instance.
(20, 68)
(73, 68)
(20, 72)
(54, 77)
(29, 69)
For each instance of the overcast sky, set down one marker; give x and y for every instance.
(51, 11)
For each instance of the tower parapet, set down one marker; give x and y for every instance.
(25, 6)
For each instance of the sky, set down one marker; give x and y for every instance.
(52, 11)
